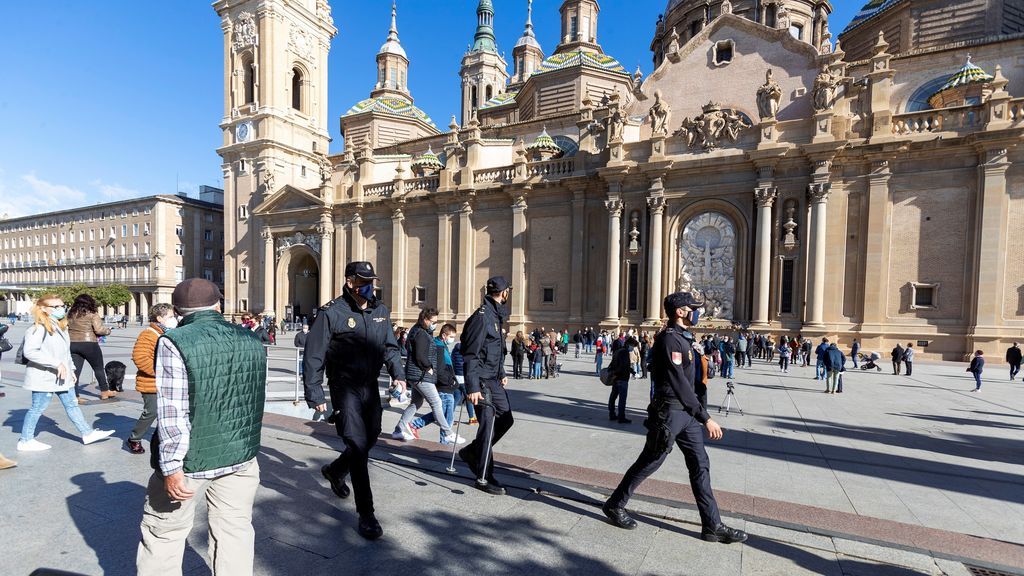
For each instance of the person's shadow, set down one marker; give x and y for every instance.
(115, 537)
(16, 419)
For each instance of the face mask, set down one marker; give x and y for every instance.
(694, 317)
(431, 327)
(366, 292)
(58, 314)
(451, 340)
(170, 322)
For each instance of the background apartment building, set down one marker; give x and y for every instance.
(148, 244)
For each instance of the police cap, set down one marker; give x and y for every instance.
(362, 270)
(678, 300)
(497, 284)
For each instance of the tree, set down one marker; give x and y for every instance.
(108, 295)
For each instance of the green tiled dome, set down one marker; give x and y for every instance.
(390, 105)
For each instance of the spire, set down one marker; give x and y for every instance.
(529, 38)
(392, 45)
(484, 41)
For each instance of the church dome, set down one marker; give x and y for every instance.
(390, 105)
(971, 73)
(578, 58)
(545, 143)
(869, 11)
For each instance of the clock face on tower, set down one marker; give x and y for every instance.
(243, 132)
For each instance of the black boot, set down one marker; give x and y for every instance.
(723, 534)
(467, 456)
(338, 485)
(619, 517)
(369, 528)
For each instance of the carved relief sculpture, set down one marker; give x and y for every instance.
(789, 228)
(824, 89)
(300, 43)
(326, 169)
(707, 253)
(726, 7)
(634, 234)
(709, 128)
(660, 115)
(245, 31)
(285, 242)
(268, 180)
(768, 97)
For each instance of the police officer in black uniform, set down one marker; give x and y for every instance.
(349, 339)
(483, 349)
(676, 415)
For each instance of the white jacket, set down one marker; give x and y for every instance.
(44, 353)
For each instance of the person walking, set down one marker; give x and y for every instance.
(421, 368)
(518, 353)
(161, 319)
(599, 349)
(897, 359)
(484, 350)
(741, 350)
(211, 389)
(784, 354)
(1013, 358)
(908, 358)
(619, 371)
(727, 352)
(577, 340)
(834, 365)
(645, 355)
(447, 388)
(676, 416)
(300, 343)
(976, 368)
(854, 351)
(84, 328)
(46, 354)
(819, 358)
(356, 327)
(536, 361)
(459, 366)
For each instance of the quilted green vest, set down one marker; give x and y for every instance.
(227, 381)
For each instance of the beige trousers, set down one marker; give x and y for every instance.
(166, 524)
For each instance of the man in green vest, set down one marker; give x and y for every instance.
(211, 386)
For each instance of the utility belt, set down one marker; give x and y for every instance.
(659, 435)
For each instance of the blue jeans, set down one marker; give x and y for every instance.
(819, 370)
(727, 369)
(448, 406)
(535, 369)
(619, 392)
(40, 400)
(854, 356)
(599, 359)
(977, 380)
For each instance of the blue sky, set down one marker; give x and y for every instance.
(109, 100)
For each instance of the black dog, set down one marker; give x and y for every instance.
(115, 375)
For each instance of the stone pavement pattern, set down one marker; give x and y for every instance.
(919, 450)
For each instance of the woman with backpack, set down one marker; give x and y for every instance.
(46, 355)
(784, 353)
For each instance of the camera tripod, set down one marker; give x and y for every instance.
(730, 399)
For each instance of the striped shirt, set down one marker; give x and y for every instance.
(172, 421)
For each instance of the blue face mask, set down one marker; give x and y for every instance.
(57, 314)
(694, 317)
(366, 291)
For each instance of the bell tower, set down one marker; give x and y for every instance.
(274, 124)
(484, 71)
(579, 26)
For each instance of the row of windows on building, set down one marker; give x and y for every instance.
(127, 274)
(66, 237)
(80, 255)
(81, 218)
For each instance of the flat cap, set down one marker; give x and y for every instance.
(497, 284)
(678, 300)
(362, 270)
(195, 293)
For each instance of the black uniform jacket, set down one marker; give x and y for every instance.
(674, 371)
(483, 346)
(350, 345)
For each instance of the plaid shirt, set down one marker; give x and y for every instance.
(172, 413)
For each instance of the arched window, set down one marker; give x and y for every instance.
(919, 99)
(771, 14)
(249, 73)
(490, 92)
(296, 88)
(473, 98)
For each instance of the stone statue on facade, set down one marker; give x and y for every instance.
(245, 31)
(824, 89)
(709, 128)
(660, 115)
(782, 17)
(268, 180)
(789, 228)
(634, 234)
(616, 125)
(326, 169)
(769, 95)
(726, 7)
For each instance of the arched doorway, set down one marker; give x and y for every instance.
(707, 262)
(298, 283)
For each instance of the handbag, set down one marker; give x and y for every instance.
(606, 376)
(5, 345)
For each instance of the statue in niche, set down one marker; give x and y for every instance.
(326, 169)
(824, 89)
(660, 115)
(726, 7)
(268, 181)
(634, 234)
(616, 124)
(768, 97)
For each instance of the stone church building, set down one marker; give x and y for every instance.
(867, 184)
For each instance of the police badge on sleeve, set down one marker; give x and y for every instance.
(677, 358)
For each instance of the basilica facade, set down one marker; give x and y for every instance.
(867, 184)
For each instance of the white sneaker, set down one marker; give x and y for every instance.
(96, 436)
(32, 445)
(457, 440)
(403, 433)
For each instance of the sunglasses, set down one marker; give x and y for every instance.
(62, 306)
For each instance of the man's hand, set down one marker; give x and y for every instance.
(714, 430)
(504, 382)
(176, 489)
(401, 384)
(475, 397)
(62, 371)
(321, 407)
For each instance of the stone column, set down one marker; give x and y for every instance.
(357, 237)
(577, 282)
(326, 230)
(765, 197)
(876, 251)
(444, 263)
(614, 259)
(990, 254)
(230, 227)
(398, 253)
(519, 287)
(132, 309)
(268, 272)
(467, 292)
(654, 263)
(817, 196)
(144, 306)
